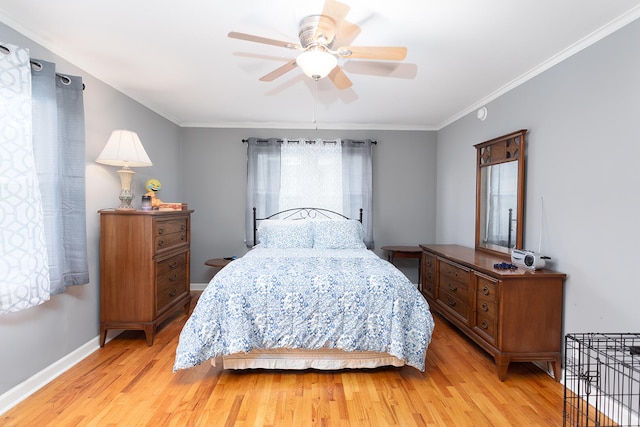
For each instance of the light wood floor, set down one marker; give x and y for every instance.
(127, 383)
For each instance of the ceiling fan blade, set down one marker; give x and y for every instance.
(347, 33)
(339, 78)
(264, 40)
(279, 71)
(336, 11)
(391, 53)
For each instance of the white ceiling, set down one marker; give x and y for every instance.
(175, 57)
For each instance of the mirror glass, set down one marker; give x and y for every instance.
(499, 184)
(500, 193)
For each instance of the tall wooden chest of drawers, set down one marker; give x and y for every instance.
(515, 315)
(144, 269)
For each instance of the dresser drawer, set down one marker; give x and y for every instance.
(455, 287)
(171, 283)
(428, 288)
(164, 226)
(428, 267)
(487, 325)
(486, 315)
(428, 262)
(454, 271)
(170, 265)
(429, 276)
(487, 288)
(454, 302)
(428, 273)
(171, 240)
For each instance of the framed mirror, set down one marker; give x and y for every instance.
(500, 193)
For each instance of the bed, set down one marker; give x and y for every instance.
(309, 295)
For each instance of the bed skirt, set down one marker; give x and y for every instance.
(324, 359)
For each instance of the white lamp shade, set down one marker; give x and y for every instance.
(124, 149)
(316, 64)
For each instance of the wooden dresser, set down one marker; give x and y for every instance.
(144, 269)
(515, 315)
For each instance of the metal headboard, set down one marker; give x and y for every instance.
(299, 213)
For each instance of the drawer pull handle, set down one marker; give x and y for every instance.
(173, 278)
(485, 306)
(451, 287)
(160, 230)
(160, 242)
(183, 237)
(484, 324)
(183, 227)
(429, 276)
(429, 264)
(173, 292)
(485, 290)
(451, 302)
(174, 264)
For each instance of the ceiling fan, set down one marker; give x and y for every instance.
(318, 35)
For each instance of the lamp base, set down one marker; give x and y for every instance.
(126, 196)
(125, 201)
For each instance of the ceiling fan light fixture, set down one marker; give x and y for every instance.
(316, 63)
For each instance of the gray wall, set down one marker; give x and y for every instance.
(582, 166)
(37, 337)
(215, 169)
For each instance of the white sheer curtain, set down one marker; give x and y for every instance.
(24, 271)
(42, 181)
(311, 175)
(284, 174)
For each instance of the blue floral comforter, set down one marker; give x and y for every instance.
(308, 298)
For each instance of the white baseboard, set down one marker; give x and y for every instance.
(17, 394)
(198, 286)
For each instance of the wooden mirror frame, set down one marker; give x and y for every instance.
(503, 149)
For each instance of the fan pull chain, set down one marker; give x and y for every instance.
(315, 97)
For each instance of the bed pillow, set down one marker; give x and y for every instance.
(338, 234)
(283, 234)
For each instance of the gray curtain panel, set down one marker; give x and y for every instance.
(59, 148)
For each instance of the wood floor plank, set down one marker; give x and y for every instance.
(127, 383)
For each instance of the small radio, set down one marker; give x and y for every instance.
(528, 259)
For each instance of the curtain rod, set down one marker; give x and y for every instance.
(311, 140)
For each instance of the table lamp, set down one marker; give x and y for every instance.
(124, 149)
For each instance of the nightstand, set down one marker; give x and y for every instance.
(217, 262)
(405, 252)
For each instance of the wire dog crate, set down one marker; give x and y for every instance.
(602, 380)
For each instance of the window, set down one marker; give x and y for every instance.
(284, 174)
